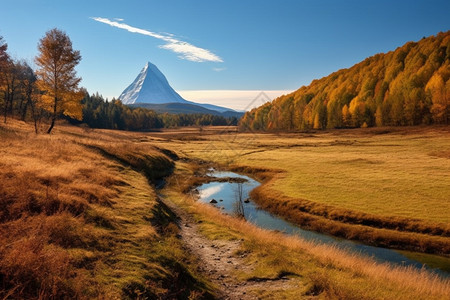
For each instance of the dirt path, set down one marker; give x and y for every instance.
(218, 260)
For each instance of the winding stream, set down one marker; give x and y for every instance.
(225, 195)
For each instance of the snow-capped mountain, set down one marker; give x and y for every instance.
(150, 86)
(152, 90)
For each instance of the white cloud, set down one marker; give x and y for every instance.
(208, 192)
(235, 99)
(119, 19)
(185, 50)
(219, 69)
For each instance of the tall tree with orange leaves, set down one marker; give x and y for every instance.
(57, 78)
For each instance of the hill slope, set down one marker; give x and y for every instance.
(408, 86)
(80, 218)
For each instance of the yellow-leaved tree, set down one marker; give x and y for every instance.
(436, 87)
(57, 78)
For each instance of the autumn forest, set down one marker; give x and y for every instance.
(408, 86)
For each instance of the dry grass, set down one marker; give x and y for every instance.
(358, 170)
(328, 271)
(385, 187)
(398, 233)
(79, 218)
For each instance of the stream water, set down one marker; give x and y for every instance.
(225, 193)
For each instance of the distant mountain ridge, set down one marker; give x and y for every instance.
(408, 86)
(151, 89)
(186, 108)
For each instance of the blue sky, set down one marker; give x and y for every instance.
(231, 46)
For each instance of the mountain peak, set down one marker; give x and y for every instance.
(149, 65)
(150, 86)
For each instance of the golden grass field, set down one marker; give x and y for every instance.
(402, 172)
(387, 186)
(79, 215)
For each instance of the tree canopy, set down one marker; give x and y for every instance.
(56, 76)
(99, 113)
(408, 86)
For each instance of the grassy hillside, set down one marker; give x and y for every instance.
(408, 86)
(79, 218)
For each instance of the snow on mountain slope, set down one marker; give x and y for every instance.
(150, 86)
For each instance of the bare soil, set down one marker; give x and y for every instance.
(220, 261)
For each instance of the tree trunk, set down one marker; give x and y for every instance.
(52, 124)
(34, 115)
(24, 109)
(6, 106)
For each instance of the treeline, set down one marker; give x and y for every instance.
(18, 91)
(99, 113)
(51, 91)
(408, 86)
(25, 94)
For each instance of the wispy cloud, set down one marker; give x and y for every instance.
(185, 50)
(219, 69)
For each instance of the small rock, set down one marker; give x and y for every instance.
(213, 201)
(221, 200)
(247, 200)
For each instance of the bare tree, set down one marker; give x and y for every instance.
(238, 205)
(28, 88)
(11, 86)
(4, 59)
